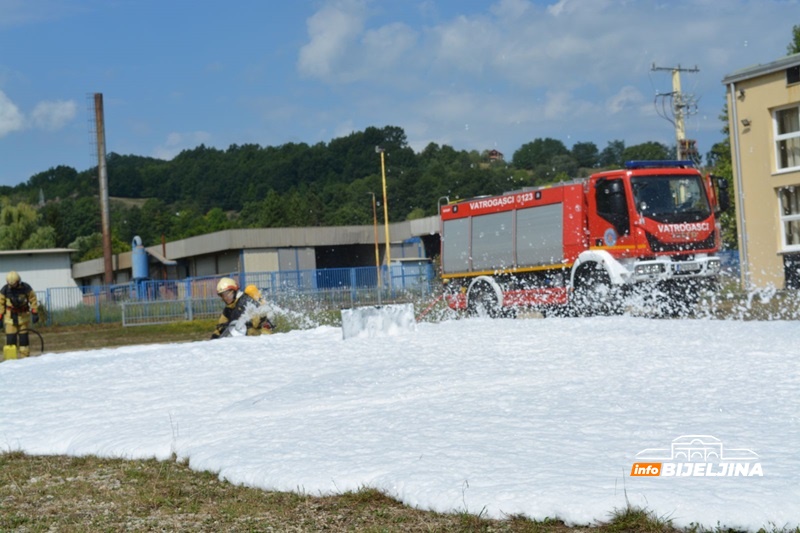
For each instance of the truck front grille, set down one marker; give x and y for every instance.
(658, 246)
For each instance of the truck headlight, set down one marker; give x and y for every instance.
(649, 269)
(714, 265)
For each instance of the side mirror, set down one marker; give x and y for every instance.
(723, 198)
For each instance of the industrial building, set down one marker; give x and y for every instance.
(269, 250)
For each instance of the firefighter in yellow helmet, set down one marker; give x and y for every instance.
(238, 305)
(18, 307)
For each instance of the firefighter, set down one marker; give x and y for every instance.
(18, 307)
(236, 304)
(267, 316)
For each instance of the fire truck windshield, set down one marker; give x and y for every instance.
(671, 199)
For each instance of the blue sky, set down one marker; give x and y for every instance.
(469, 74)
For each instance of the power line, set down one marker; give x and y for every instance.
(674, 107)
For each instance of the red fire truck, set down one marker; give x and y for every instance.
(585, 246)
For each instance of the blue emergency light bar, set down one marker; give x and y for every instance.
(658, 164)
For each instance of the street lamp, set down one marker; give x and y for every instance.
(386, 217)
(377, 254)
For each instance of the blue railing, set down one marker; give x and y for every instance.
(190, 298)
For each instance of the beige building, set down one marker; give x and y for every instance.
(764, 121)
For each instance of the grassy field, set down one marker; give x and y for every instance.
(94, 336)
(77, 494)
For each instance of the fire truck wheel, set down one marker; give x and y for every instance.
(594, 294)
(481, 301)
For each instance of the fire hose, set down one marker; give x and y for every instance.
(41, 340)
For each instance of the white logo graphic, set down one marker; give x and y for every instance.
(691, 448)
(696, 455)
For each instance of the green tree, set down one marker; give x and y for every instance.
(56, 183)
(157, 220)
(215, 220)
(559, 168)
(539, 152)
(611, 156)
(17, 224)
(72, 218)
(267, 213)
(125, 174)
(43, 237)
(586, 154)
(296, 211)
(89, 247)
(794, 46)
(348, 215)
(720, 163)
(646, 151)
(415, 214)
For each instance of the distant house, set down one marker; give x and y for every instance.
(764, 123)
(495, 155)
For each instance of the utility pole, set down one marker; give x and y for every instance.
(377, 252)
(386, 217)
(682, 105)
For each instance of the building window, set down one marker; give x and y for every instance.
(790, 217)
(787, 137)
(793, 75)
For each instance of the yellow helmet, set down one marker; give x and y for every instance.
(227, 284)
(12, 278)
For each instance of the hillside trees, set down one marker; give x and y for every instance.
(548, 160)
(646, 151)
(91, 246)
(586, 154)
(20, 228)
(72, 218)
(264, 213)
(58, 183)
(612, 154)
(538, 153)
(206, 189)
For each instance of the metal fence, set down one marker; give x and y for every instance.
(154, 302)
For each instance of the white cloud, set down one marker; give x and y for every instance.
(47, 115)
(557, 8)
(504, 74)
(466, 44)
(16, 13)
(11, 119)
(332, 30)
(510, 9)
(625, 98)
(388, 43)
(560, 105)
(52, 116)
(341, 50)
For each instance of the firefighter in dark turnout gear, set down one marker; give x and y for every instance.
(236, 303)
(18, 307)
